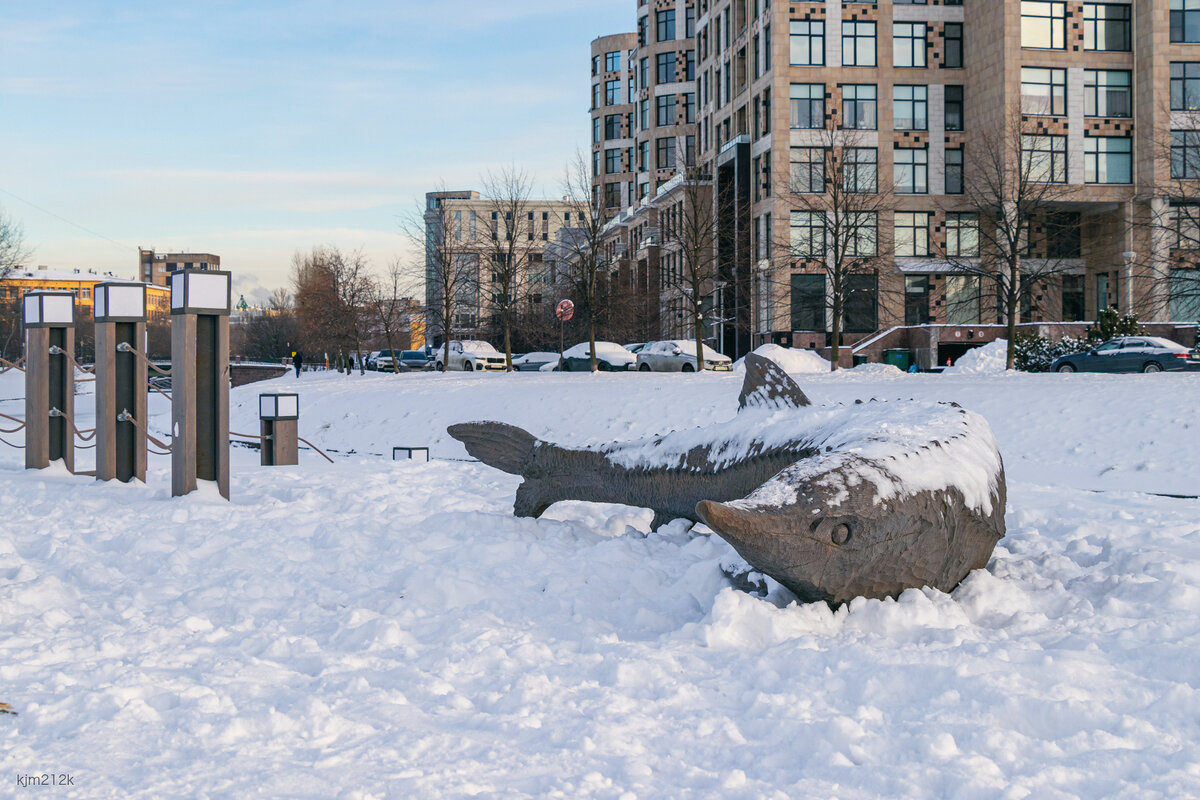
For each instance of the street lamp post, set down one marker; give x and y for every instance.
(49, 319)
(120, 312)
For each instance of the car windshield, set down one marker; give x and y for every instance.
(413, 354)
(478, 347)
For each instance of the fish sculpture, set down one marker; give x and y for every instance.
(834, 502)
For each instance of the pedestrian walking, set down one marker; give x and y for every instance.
(297, 361)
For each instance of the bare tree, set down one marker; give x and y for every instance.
(389, 306)
(688, 227)
(451, 266)
(586, 264)
(332, 290)
(13, 252)
(1011, 230)
(838, 200)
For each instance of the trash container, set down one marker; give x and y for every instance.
(897, 358)
(860, 358)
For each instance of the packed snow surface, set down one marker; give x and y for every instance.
(990, 359)
(792, 359)
(379, 629)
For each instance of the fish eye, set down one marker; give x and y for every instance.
(840, 534)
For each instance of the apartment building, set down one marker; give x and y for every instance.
(156, 268)
(477, 231)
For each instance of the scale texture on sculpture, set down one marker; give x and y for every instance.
(834, 502)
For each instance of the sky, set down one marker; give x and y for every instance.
(257, 128)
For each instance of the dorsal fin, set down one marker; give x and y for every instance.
(505, 447)
(768, 386)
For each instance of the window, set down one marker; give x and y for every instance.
(1073, 309)
(612, 195)
(1185, 21)
(912, 233)
(664, 109)
(910, 108)
(595, 65)
(808, 302)
(1044, 158)
(858, 44)
(665, 152)
(596, 156)
(954, 171)
(1185, 154)
(1064, 235)
(612, 93)
(808, 234)
(665, 68)
(1184, 288)
(595, 130)
(808, 105)
(1185, 222)
(1107, 159)
(808, 170)
(916, 299)
(962, 234)
(689, 107)
(962, 299)
(1107, 27)
(861, 314)
(862, 229)
(1185, 86)
(954, 108)
(953, 55)
(859, 106)
(643, 155)
(1044, 24)
(612, 61)
(908, 44)
(860, 170)
(644, 73)
(911, 170)
(595, 95)
(1106, 93)
(1043, 91)
(689, 22)
(665, 25)
(808, 43)
(612, 126)
(612, 161)
(644, 113)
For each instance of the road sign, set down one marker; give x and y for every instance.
(564, 310)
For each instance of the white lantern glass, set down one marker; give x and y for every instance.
(58, 309)
(177, 290)
(287, 405)
(124, 301)
(208, 291)
(266, 406)
(33, 310)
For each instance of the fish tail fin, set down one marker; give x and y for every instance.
(505, 447)
(766, 385)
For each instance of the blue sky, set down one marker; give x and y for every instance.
(252, 129)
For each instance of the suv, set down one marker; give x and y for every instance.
(471, 356)
(383, 361)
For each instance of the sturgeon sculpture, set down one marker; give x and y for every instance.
(834, 502)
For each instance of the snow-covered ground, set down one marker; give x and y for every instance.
(371, 629)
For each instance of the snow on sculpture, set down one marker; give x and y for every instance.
(834, 502)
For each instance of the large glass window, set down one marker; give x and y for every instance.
(612, 61)
(665, 68)
(808, 234)
(1185, 154)
(962, 299)
(955, 111)
(1107, 26)
(912, 233)
(954, 171)
(595, 130)
(858, 44)
(1185, 85)
(1107, 159)
(808, 170)
(859, 106)
(612, 126)
(1043, 91)
(916, 299)
(1073, 304)
(862, 234)
(665, 25)
(1185, 222)
(1106, 93)
(908, 44)
(808, 302)
(664, 109)
(612, 160)
(962, 234)
(953, 56)
(911, 170)
(910, 108)
(808, 43)
(1185, 21)
(1184, 288)
(861, 309)
(612, 93)
(808, 105)
(860, 170)
(665, 152)
(1044, 158)
(1044, 24)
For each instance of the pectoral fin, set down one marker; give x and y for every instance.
(505, 447)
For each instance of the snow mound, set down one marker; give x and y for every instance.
(991, 359)
(791, 359)
(876, 369)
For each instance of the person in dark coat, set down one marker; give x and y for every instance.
(297, 361)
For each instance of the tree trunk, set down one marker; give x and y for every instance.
(507, 342)
(697, 321)
(1014, 301)
(835, 350)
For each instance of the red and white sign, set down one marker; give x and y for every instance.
(564, 310)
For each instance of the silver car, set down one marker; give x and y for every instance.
(679, 355)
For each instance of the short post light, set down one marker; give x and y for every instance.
(120, 309)
(410, 454)
(49, 378)
(279, 416)
(199, 379)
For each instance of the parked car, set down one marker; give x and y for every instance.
(610, 357)
(679, 355)
(471, 356)
(636, 347)
(532, 362)
(383, 361)
(1131, 354)
(414, 361)
(372, 357)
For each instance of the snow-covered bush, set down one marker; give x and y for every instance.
(1035, 353)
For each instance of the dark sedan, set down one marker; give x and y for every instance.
(414, 360)
(1131, 354)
